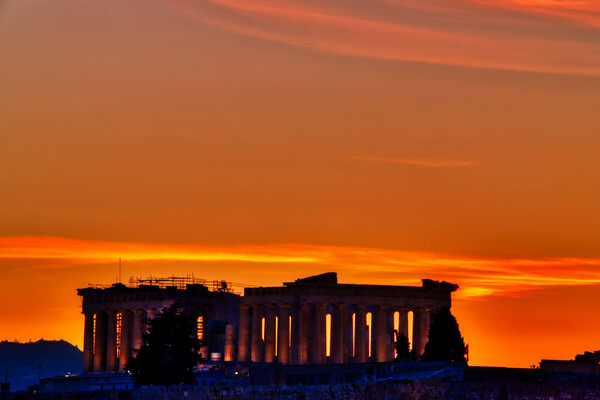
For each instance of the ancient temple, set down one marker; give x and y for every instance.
(116, 317)
(314, 320)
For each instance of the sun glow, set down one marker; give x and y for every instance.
(476, 277)
(480, 279)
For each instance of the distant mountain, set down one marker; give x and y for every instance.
(24, 361)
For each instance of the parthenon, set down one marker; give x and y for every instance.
(116, 317)
(313, 320)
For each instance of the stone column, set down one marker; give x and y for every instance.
(403, 322)
(88, 343)
(322, 329)
(347, 335)
(381, 337)
(304, 332)
(315, 351)
(229, 343)
(100, 342)
(295, 335)
(391, 338)
(337, 334)
(415, 341)
(111, 342)
(420, 330)
(403, 326)
(258, 354)
(126, 328)
(244, 336)
(270, 333)
(319, 332)
(299, 351)
(139, 328)
(360, 342)
(283, 331)
(425, 321)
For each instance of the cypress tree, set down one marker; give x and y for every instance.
(445, 342)
(401, 346)
(170, 351)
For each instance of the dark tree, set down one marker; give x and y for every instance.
(445, 342)
(170, 351)
(401, 346)
(413, 356)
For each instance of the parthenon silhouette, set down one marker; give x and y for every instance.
(313, 320)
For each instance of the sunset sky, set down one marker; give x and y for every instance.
(259, 141)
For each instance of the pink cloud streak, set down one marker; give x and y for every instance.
(464, 34)
(582, 11)
(418, 162)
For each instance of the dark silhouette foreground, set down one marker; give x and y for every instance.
(445, 342)
(402, 347)
(169, 354)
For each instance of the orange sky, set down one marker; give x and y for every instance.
(260, 141)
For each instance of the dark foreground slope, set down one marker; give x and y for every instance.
(24, 361)
(501, 388)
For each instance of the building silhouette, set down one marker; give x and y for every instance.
(313, 320)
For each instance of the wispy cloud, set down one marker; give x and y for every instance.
(476, 276)
(583, 11)
(418, 162)
(49, 247)
(497, 34)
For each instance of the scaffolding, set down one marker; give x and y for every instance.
(179, 282)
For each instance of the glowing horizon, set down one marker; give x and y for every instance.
(259, 141)
(477, 277)
(481, 281)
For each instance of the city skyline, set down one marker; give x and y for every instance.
(257, 141)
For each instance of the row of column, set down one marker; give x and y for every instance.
(304, 340)
(103, 348)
